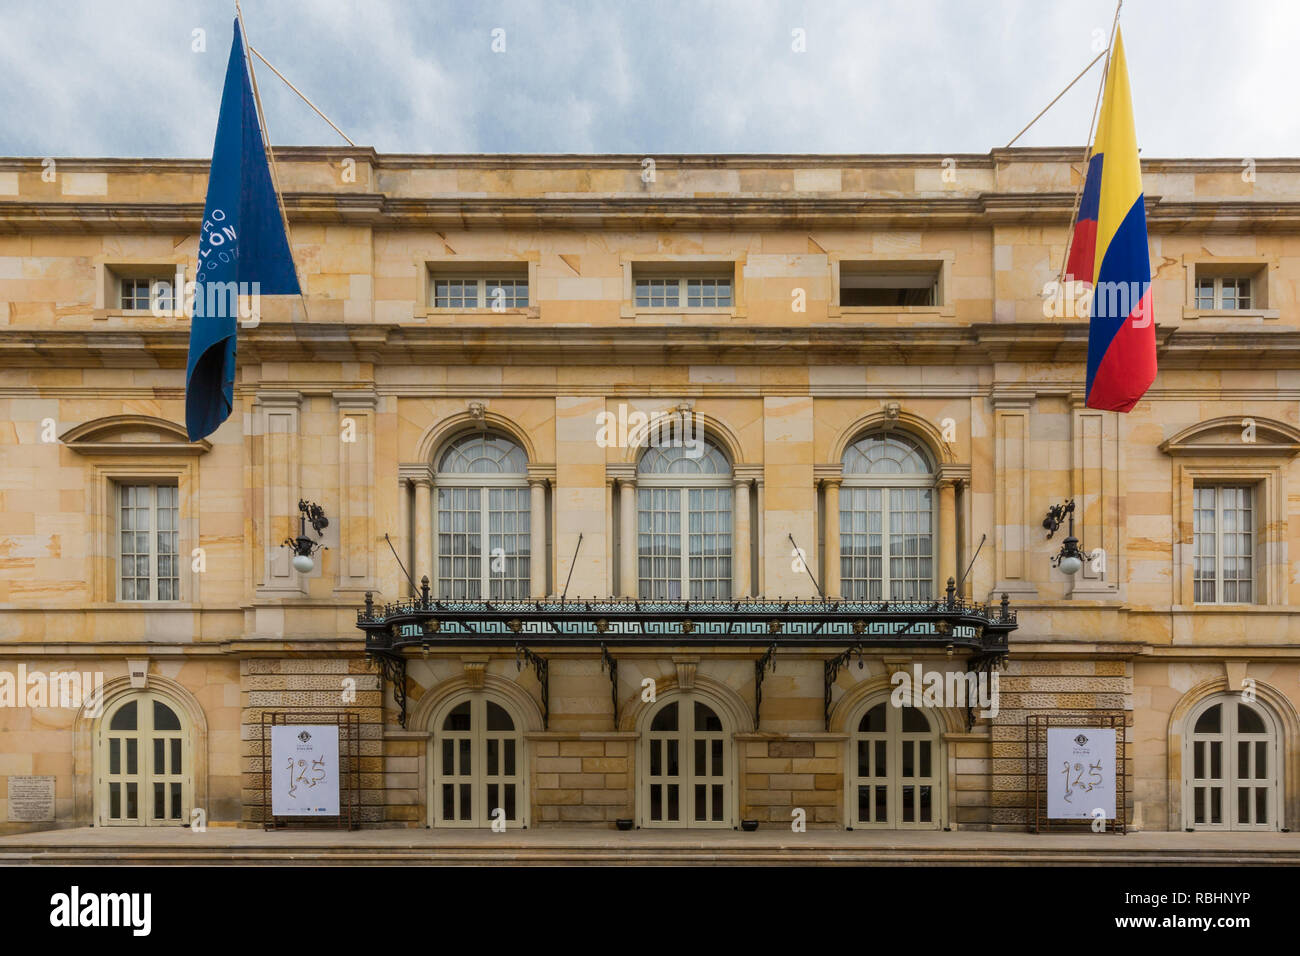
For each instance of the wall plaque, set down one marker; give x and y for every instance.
(31, 799)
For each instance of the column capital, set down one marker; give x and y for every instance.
(748, 473)
(356, 398)
(955, 475)
(416, 473)
(278, 398)
(540, 473)
(622, 474)
(830, 473)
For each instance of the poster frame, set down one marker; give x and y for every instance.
(349, 726)
(1036, 770)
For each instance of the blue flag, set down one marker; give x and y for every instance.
(243, 250)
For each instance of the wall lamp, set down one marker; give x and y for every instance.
(302, 546)
(1069, 559)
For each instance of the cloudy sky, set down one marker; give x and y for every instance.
(93, 78)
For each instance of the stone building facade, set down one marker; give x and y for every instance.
(860, 344)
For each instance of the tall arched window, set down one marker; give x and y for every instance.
(894, 769)
(479, 771)
(1230, 761)
(483, 519)
(145, 773)
(685, 765)
(887, 520)
(684, 510)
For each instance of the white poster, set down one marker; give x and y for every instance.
(1080, 772)
(305, 770)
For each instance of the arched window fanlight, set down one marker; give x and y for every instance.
(483, 454)
(892, 454)
(704, 458)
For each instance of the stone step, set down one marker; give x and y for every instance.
(661, 854)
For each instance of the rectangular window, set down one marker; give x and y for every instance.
(1205, 294)
(1223, 530)
(478, 557)
(886, 544)
(455, 293)
(148, 535)
(708, 293)
(704, 537)
(658, 293)
(1229, 287)
(889, 284)
(481, 287)
(145, 294)
(683, 285)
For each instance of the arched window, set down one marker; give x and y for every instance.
(1230, 760)
(145, 773)
(684, 509)
(887, 520)
(483, 519)
(894, 769)
(685, 766)
(479, 774)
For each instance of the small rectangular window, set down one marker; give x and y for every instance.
(688, 285)
(455, 293)
(1230, 287)
(506, 293)
(1205, 294)
(148, 543)
(479, 286)
(1223, 531)
(152, 293)
(658, 293)
(879, 284)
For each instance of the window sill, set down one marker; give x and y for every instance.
(528, 312)
(1232, 608)
(1193, 313)
(143, 606)
(836, 311)
(102, 314)
(636, 312)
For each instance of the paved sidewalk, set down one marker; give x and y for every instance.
(217, 845)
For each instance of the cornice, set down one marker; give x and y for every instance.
(653, 210)
(975, 344)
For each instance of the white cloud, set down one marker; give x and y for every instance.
(947, 76)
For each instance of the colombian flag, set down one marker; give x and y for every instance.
(1109, 249)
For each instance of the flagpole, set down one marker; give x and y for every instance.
(270, 156)
(1087, 149)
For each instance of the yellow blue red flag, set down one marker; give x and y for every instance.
(1109, 249)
